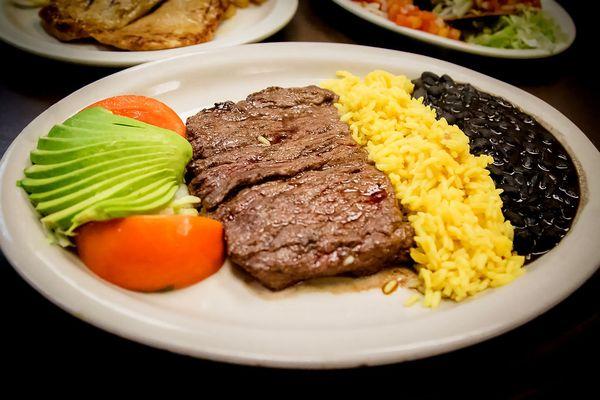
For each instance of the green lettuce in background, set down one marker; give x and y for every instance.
(529, 30)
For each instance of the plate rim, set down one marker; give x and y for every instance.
(282, 13)
(461, 46)
(101, 311)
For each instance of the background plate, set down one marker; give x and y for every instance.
(550, 6)
(21, 27)
(224, 318)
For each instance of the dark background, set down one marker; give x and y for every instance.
(550, 357)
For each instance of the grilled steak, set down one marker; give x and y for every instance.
(307, 203)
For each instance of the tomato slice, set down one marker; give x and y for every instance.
(145, 109)
(152, 252)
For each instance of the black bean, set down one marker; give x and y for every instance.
(532, 148)
(544, 167)
(519, 178)
(495, 171)
(435, 91)
(445, 78)
(531, 220)
(527, 162)
(563, 165)
(524, 241)
(420, 92)
(478, 144)
(430, 76)
(451, 119)
(511, 191)
(562, 223)
(516, 220)
(468, 98)
(570, 192)
(486, 133)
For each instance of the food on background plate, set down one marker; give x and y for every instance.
(507, 24)
(456, 9)
(100, 166)
(138, 25)
(405, 13)
(31, 3)
(527, 30)
(175, 23)
(78, 19)
(298, 198)
(235, 4)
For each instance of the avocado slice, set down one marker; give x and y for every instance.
(97, 166)
(91, 130)
(107, 175)
(140, 196)
(121, 207)
(37, 185)
(57, 143)
(44, 157)
(51, 170)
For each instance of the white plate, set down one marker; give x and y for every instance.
(224, 318)
(551, 7)
(21, 28)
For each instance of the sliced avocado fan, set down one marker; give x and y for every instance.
(97, 166)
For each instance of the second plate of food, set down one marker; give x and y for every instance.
(106, 33)
(400, 209)
(503, 29)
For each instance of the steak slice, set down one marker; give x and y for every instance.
(318, 223)
(308, 205)
(228, 125)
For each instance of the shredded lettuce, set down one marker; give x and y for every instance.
(452, 8)
(182, 204)
(532, 29)
(59, 237)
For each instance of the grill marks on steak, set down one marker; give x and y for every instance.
(221, 174)
(308, 205)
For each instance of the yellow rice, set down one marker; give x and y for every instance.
(463, 243)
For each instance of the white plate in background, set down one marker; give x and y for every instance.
(21, 27)
(224, 318)
(550, 6)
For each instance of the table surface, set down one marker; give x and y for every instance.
(545, 357)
